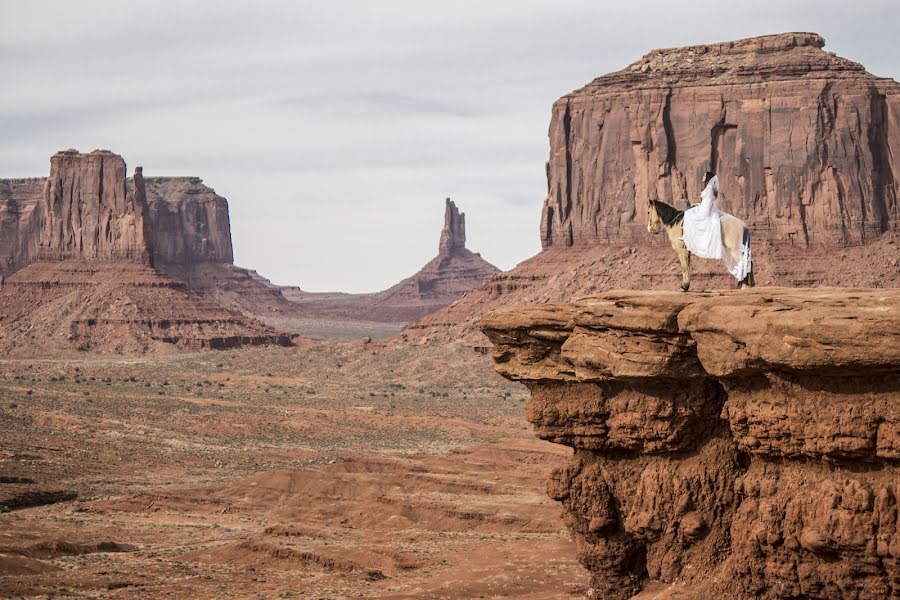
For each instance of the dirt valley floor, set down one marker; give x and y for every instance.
(321, 471)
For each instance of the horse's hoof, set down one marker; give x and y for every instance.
(685, 287)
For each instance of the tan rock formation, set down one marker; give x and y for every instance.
(86, 212)
(740, 445)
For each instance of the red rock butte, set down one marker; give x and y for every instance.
(741, 444)
(82, 254)
(806, 145)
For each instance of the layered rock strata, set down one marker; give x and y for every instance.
(805, 144)
(737, 444)
(87, 213)
(84, 278)
(51, 308)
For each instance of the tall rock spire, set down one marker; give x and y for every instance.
(453, 235)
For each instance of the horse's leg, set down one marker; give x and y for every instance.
(684, 257)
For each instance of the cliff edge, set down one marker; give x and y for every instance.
(741, 445)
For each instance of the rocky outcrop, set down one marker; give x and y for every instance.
(83, 276)
(19, 222)
(740, 445)
(444, 279)
(87, 213)
(53, 308)
(189, 222)
(453, 235)
(805, 144)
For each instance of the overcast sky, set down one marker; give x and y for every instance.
(336, 129)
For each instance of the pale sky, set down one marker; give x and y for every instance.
(336, 129)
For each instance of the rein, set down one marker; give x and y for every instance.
(669, 215)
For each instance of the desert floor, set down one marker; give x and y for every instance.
(321, 471)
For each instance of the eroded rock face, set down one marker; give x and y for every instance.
(87, 213)
(453, 235)
(19, 222)
(745, 445)
(805, 144)
(83, 279)
(189, 222)
(186, 222)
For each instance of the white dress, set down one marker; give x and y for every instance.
(702, 227)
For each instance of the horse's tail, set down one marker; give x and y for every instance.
(750, 280)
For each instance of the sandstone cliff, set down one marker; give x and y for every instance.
(740, 445)
(19, 222)
(806, 145)
(453, 272)
(87, 213)
(81, 253)
(804, 142)
(189, 222)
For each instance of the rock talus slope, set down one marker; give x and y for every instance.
(806, 145)
(745, 444)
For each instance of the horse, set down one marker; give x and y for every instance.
(735, 238)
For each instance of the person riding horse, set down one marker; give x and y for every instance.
(702, 226)
(707, 232)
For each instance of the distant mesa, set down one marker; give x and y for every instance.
(82, 257)
(88, 212)
(443, 280)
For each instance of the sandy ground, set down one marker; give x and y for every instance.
(323, 471)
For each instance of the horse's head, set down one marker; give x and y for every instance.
(654, 223)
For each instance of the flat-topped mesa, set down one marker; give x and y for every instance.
(805, 143)
(743, 444)
(453, 235)
(87, 213)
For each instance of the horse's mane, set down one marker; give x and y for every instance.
(668, 213)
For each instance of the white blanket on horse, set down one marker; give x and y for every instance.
(711, 233)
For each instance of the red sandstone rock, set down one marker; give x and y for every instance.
(53, 308)
(189, 222)
(805, 143)
(19, 225)
(92, 286)
(744, 444)
(86, 212)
